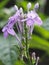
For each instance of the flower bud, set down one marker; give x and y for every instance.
(21, 10)
(37, 58)
(34, 56)
(16, 7)
(36, 6)
(37, 61)
(29, 5)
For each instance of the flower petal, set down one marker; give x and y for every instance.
(30, 22)
(11, 31)
(4, 29)
(5, 34)
(38, 21)
(32, 14)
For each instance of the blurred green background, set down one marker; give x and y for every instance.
(40, 38)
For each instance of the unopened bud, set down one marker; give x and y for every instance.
(21, 10)
(16, 7)
(37, 61)
(37, 58)
(36, 6)
(33, 56)
(29, 5)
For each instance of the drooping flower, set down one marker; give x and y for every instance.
(16, 18)
(11, 21)
(6, 31)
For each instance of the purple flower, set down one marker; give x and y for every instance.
(6, 31)
(33, 18)
(19, 18)
(12, 20)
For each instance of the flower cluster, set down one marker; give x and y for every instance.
(30, 18)
(25, 24)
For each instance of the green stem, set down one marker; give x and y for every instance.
(27, 49)
(26, 42)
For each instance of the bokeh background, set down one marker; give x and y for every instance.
(40, 38)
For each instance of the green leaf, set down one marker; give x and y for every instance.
(20, 62)
(1, 63)
(8, 50)
(39, 43)
(43, 16)
(3, 3)
(42, 32)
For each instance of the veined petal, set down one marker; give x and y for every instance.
(38, 21)
(30, 22)
(11, 31)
